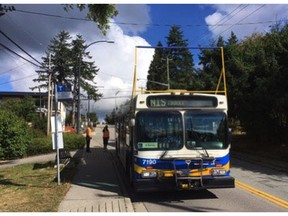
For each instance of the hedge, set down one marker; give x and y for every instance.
(72, 141)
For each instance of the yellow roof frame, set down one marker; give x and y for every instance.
(222, 78)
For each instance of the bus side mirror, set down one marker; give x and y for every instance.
(132, 122)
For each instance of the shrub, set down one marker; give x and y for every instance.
(73, 141)
(14, 135)
(43, 145)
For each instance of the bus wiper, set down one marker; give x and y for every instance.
(205, 150)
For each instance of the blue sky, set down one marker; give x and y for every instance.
(136, 24)
(184, 15)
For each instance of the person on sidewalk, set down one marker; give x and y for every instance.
(88, 137)
(105, 137)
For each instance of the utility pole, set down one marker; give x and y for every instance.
(88, 109)
(49, 95)
(168, 76)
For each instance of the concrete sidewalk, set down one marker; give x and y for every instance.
(96, 186)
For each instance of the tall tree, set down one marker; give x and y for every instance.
(68, 60)
(157, 73)
(210, 59)
(180, 60)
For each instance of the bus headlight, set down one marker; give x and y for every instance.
(149, 174)
(218, 172)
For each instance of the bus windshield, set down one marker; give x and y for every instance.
(159, 130)
(206, 130)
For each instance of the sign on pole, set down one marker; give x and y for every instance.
(60, 142)
(64, 92)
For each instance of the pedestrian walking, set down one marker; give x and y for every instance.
(88, 137)
(105, 136)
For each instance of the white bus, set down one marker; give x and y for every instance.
(176, 139)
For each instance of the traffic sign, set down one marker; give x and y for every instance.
(64, 92)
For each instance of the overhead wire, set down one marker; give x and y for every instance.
(7, 48)
(19, 46)
(8, 71)
(254, 11)
(218, 24)
(10, 81)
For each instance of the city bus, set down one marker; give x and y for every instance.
(175, 139)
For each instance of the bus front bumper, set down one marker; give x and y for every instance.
(144, 185)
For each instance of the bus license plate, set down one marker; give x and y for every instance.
(184, 172)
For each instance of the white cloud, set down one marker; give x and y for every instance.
(116, 62)
(244, 20)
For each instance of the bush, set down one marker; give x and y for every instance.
(72, 141)
(14, 135)
(39, 146)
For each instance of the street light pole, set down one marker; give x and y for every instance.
(79, 79)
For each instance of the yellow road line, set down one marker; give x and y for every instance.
(262, 194)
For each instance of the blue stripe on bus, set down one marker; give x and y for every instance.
(180, 164)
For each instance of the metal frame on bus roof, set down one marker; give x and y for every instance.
(182, 91)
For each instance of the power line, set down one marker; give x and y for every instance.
(242, 19)
(17, 79)
(5, 47)
(2, 73)
(216, 25)
(19, 46)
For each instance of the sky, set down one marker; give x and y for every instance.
(135, 25)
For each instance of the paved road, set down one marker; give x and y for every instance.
(216, 200)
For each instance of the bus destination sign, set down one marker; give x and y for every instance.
(192, 101)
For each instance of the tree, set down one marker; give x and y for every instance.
(157, 70)
(181, 61)
(88, 72)
(110, 119)
(68, 56)
(210, 59)
(177, 61)
(99, 13)
(23, 108)
(92, 117)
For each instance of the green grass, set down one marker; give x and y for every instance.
(33, 187)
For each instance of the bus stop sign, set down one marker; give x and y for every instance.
(64, 92)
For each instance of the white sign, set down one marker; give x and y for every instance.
(59, 134)
(59, 124)
(59, 141)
